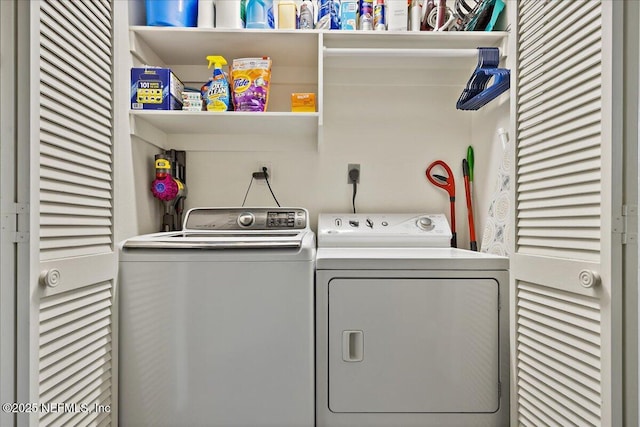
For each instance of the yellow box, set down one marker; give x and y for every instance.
(303, 102)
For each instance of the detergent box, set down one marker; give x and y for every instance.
(154, 88)
(348, 15)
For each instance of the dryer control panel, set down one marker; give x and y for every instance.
(384, 230)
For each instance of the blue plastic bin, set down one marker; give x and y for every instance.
(172, 13)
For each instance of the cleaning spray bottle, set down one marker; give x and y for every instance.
(215, 93)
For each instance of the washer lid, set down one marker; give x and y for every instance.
(232, 228)
(216, 240)
(384, 230)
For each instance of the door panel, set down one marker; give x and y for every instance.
(414, 345)
(73, 257)
(565, 268)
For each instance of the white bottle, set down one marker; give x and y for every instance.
(306, 15)
(228, 14)
(415, 15)
(206, 14)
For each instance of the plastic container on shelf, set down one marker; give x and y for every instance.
(172, 13)
(259, 14)
(229, 14)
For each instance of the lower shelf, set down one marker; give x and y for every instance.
(227, 131)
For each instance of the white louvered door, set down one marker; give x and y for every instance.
(71, 210)
(566, 268)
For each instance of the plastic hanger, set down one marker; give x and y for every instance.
(477, 94)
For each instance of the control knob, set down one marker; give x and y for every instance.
(425, 223)
(245, 219)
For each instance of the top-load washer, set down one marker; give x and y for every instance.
(409, 332)
(216, 321)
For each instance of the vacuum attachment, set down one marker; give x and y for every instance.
(169, 186)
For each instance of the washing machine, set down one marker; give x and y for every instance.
(216, 321)
(409, 332)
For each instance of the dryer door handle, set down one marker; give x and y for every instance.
(352, 346)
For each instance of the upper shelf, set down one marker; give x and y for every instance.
(414, 39)
(413, 50)
(187, 46)
(325, 56)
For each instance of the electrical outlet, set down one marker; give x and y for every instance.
(350, 167)
(259, 167)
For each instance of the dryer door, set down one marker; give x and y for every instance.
(413, 345)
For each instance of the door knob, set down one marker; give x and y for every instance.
(50, 278)
(589, 278)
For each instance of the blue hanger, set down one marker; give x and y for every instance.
(477, 94)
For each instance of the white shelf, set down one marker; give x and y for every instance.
(413, 50)
(306, 61)
(211, 131)
(414, 39)
(190, 46)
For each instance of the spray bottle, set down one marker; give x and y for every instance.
(215, 93)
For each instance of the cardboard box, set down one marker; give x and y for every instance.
(397, 15)
(348, 15)
(303, 102)
(155, 89)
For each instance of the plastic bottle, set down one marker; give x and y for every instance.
(306, 15)
(416, 15)
(328, 15)
(379, 19)
(229, 14)
(206, 14)
(260, 14)
(366, 15)
(287, 15)
(215, 93)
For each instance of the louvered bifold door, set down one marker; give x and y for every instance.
(564, 269)
(75, 237)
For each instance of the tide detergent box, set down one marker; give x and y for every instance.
(154, 88)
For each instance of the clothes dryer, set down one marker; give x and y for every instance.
(409, 332)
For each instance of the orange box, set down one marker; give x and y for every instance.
(303, 102)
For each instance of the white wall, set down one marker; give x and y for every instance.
(136, 212)
(394, 122)
(393, 136)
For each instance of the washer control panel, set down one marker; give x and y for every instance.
(246, 219)
(383, 230)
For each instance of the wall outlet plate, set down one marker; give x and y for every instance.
(351, 166)
(269, 167)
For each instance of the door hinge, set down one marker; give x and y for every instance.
(10, 223)
(629, 224)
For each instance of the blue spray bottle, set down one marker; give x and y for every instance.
(215, 93)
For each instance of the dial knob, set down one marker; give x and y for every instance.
(425, 223)
(245, 219)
